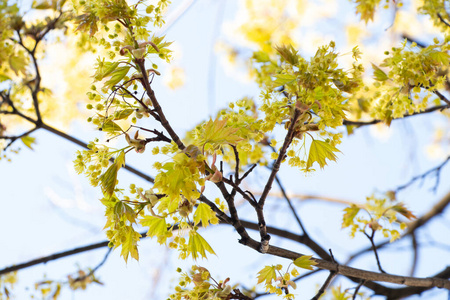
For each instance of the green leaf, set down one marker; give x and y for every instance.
(261, 56)
(109, 178)
(122, 114)
(116, 76)
(379, 74)
(204, 214)
(288, 53)
(28, 141)
(217, 133)
(111, 127)
(41, 5)
(129, 246)
(440, 57)
(122, 209)
(267, 274)
(18, 63)
(350, 214)
(305, 262)
(319, 152)
(156, 226)
(198, 245)
(103, 69)
(282, 79)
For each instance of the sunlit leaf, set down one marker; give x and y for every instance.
(129, 245)
(267, 275)
(111, 127)
(379, 74)
(28, 141)
(319, 152)
(350, 214)
(305, 262)
(203, 213)
(156, 226)
(198, 245)
(217, 133)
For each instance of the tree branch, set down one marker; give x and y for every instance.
(426, 111)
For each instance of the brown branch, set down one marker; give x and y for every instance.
(277, 164)
(427, 283)
(426, 111)
(436, 170)
(412, 226)
(324, 286)
(151, 94)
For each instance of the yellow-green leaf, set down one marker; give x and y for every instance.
(156, 226)
(217, 133)
(288, 53)
(28, 141)
(305, 262)
(122, 114)
(350, 214)
(267, 274)
(319, 152)
(109, 178)
(110, 126)
(198, 245)
(282, 79)
(129, 246)
(204, 214)
(379, 74)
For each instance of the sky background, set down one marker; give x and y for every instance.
(48, 208)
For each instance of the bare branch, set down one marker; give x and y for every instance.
(426, 111)
(436, 170)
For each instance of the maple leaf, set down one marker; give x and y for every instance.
(319, 152)
(267, 274)
(218, 134)
(198, 245)
(350, 214)
(401, 209)
(129, 246)
(305, 262)
(204, 214)
(156, 226)
(108, 179)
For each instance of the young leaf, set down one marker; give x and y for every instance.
(156, 226)
(111, 127)
(122, 114)
(282, 79)
(266, 275)
(305, 262)
(350, 214)
(129, 246)
(379, 74)
(109, 178)
(217, 133)
(198, 245)
(288, 53)
(28, 141)
(319, 152)
(203, 213)
(401, 209)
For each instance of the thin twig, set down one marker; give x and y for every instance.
(436, 170)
